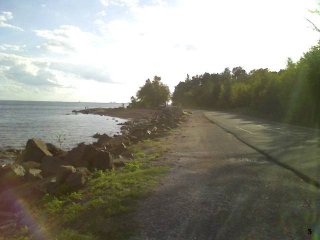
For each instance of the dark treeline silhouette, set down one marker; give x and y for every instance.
(291, 95)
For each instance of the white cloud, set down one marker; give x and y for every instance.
(11, 47)
(102, 13)
(198, 36)
(105, 2)
(4, 18)
(170, 40)
(25, 70)
(43, 71)
(87, 71)
(82, 52)
(46, 79)
(65, 39)
(121, 3)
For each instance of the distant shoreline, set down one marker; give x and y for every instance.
(22, 120)
(48, 101)
(124, 113)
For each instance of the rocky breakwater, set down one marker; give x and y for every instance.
(44, 168)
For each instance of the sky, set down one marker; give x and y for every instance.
(104, 50)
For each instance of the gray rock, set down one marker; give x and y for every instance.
(63, 173)
(18, 169)
(118, 163)
(127, 154)
(69, 179)
(78, 179)
(55, 150)
(51, 165)
(33, 174)
(119, 148)
(97, 159)
(75, 156)
(31, 164)
(35, 150)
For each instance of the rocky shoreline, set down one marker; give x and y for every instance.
(126, 113)
(42, 168)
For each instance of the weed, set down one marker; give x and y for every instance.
(140, 155)
(102, 209)
(69, 234)
(133, 166)
(61, 137)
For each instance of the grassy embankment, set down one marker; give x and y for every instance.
(104, 208)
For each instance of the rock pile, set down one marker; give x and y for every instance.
(49, 169)
(168, 117)
(42, 160)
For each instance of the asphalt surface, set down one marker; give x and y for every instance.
(221, 188)
(298, 148)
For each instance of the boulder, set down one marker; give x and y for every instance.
(98, 136)
(35, 150)
(118, 163)
(51, 165)
(118, 149)
(75, 156)
(33, 174)
(78, 179)
(52, 187)
(55, 150)
(103, 140)
(63, 173)
(90, 157)
(18, 169)
(102, 161)
(84, 171)
(70, 179)
(75, 181)
(127, 154)
(31, 164)
(138, 133)
(97, 159)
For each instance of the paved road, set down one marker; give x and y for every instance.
(295, 147)
(220, 188)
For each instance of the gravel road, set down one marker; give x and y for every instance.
(219, 188)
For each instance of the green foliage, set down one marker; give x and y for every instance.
(152, 94)
(52, 204)
(291, 95)
(133, 166)
(74, 235)
(102, 209)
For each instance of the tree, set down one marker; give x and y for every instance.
(239, 73)
(152, 94)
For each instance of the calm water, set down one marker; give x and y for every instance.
(20, 121)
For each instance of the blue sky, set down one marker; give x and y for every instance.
(103, 50)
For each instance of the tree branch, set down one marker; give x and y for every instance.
(314, 26)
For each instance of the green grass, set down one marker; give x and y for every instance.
(187, 113)
(104, 208)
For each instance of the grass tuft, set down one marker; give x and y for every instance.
(104, 208)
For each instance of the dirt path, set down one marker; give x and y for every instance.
(219, 188)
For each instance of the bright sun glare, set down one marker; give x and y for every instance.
(112, 46)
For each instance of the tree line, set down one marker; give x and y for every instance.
(290, 95)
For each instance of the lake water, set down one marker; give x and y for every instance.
(21, 120)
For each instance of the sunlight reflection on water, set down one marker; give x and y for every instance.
(20, 121)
